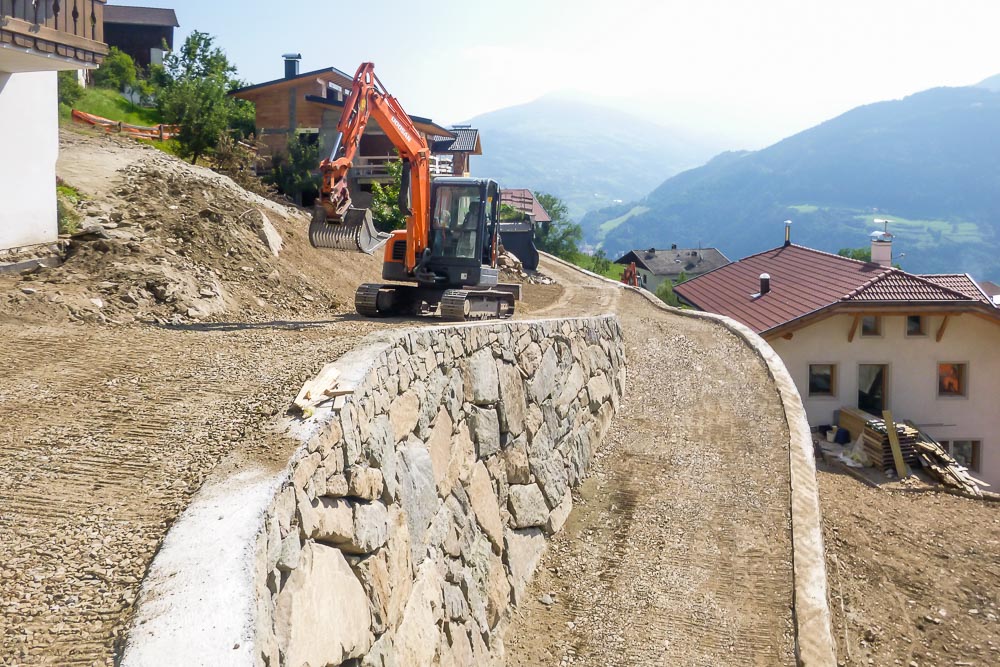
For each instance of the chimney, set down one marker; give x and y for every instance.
(788, 233)
(882, 244)
(673, 246)
(765, 284)
(292, 64)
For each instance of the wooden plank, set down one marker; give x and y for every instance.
(897, 454)
(854, 328)
(944, 325)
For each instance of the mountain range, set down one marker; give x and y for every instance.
(929, 162)
(587, 155)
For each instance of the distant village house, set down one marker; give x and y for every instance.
(655, 266)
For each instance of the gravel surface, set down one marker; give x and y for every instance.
(678, 551)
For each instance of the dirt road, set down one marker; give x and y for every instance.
(678, 551)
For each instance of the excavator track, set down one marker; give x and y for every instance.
(463, 305)
(366, 300)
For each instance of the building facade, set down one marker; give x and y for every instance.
(36, 41)
(874, 337)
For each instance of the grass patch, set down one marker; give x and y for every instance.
(67, 197)
(585, 261)
(804, 208)
(111, 105)
(609, 225)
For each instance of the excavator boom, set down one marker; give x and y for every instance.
(335, 223)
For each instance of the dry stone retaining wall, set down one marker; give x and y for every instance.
(411, 520)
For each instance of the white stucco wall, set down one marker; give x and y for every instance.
(912, 379)
(29, 145)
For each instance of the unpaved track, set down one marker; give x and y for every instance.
(679, 548)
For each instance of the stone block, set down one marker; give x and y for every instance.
(365, 483)
(284, 509)
(599, 391)
(371, 528)
(373, 573)
(484, 503)
(485, 431)
(403, 414)
(455, 606)
(527, 506)
(558, 516)
(291, 552)
(524, 549)
(512, 401)
(550, 474)
(333, 521)
(439, 446)
(418, 493)
(416, 639)
(544, 381)
(336, 485)
(322, 593)
(481, 380)
(530, 358)
(570, 387)
(515, 460)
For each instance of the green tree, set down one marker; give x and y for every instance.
(194, 83)
(665, 293)
(117, 72)
(385, 200)
(860, 254)
(560, 236)
(601, 262)
(295, 174)
(70, 89)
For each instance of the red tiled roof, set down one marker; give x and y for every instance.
(802, 280)
(524, 201)
(896, 285)
(963, 283)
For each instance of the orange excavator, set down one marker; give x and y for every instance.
(630, 276)
(446, 259)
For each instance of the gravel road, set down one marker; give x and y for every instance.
(678, 551)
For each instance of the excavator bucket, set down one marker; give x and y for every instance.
(355, 232)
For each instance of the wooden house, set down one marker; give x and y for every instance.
(145, 33)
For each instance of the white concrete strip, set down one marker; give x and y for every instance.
(815, 646)
(198, 601)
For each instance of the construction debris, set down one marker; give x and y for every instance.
(318, 390)
(875, 438)
(944, 468)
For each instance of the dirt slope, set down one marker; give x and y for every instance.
(168, 339)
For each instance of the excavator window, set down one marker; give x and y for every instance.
(455, 223)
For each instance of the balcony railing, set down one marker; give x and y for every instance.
(373, 168)
(69, 28)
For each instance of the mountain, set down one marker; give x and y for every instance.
(587, 155)
(929, 162)
(992, 83)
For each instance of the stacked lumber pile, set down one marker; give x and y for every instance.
(942, 467)
(875, 438)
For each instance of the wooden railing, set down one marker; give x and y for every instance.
(374, 167)
(69, 28)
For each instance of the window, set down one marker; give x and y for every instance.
(952, 379)
(822, 379)
(872, 387)
(455, 224)
(967, 452)
(915, 325)
(871, 325)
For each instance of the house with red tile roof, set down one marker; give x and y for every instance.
(871, 336)
(518, 236)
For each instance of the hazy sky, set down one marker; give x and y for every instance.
(752, 71)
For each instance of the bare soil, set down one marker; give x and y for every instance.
(133, 368)
(914, 576)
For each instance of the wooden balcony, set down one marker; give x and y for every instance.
(40, 35)
(372, 169)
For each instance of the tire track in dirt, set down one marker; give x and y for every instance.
(678, 551)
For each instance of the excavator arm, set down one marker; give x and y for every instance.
(368, 99)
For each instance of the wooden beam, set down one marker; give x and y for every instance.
(854, 328)
(944, 325)
(788, 336)
(897, 453)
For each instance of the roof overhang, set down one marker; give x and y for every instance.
(17, 59)
(883, 308)
(425, 125)
(328, 74)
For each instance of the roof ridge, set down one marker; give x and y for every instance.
(899, 272)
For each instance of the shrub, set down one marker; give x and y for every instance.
(70, 89)
(117, 71)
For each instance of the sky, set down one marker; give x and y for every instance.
(746, 72)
